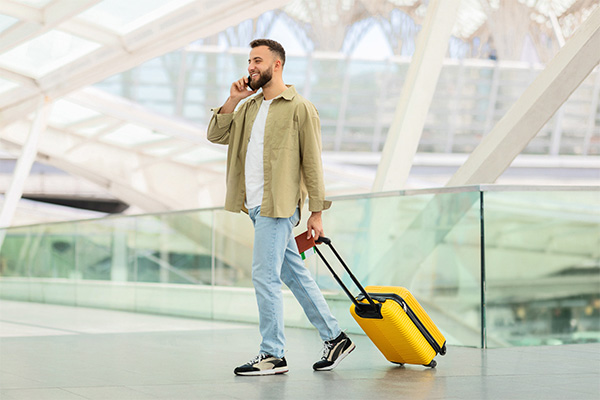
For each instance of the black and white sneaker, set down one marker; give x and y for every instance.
(334, 351)
(263, 364)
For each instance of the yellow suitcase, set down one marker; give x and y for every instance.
(393, 319)
(405, 334)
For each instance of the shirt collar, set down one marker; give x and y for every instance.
(287, 94)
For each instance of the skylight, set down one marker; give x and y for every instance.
(6, 22)
(34, 3)
(46, 53)
(125, 16)
(131, 135)
(6, 85)
(65, 113)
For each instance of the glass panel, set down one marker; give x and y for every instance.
(46, 53)
(131, 135)
(17, 248)
(65, 113)
(174, 248)
(6, 85)
(6, 22)
(234, 238)
(173, 253)
(103, 250)
(34, 3)
(200, 155)
(92, 128)
(165, 149)
(106, 264)
(125, 16)
(542, 256)
(55, 255)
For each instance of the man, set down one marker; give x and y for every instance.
(273, 162)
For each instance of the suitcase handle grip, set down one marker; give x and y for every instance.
(375, 308)
(323, 239)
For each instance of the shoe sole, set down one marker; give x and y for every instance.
(274, 371)
(339, 359)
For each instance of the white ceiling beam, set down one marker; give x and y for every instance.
(147, 161)
(144, 44)
(181, 24)
(60, 10)
(417, 94)
(85, 30)
(90, 122)
(18, 78)
(144, 159)
(27, 89)
(39, 22)
(15, 95)
(119, 189)
(17, 34)
(522, 122)
(24, 164)
(21, 11)
(123, 109)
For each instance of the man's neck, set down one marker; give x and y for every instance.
(273, 89)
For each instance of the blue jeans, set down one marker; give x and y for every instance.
(275, 261)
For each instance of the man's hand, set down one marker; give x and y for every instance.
(315, 224)
(238, 92)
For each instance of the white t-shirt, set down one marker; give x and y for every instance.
(255, 174)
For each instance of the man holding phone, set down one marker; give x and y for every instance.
(273, 163)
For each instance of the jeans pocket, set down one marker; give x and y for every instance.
(295, 218)
(253, 213)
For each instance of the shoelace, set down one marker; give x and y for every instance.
(258, 358)
(326, 349)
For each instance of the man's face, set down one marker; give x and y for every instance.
(260, 66)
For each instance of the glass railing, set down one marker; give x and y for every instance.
(493, 265)
(542, 266)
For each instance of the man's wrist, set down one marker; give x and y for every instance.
(229, 106)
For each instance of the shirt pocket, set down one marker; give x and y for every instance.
(284, 134)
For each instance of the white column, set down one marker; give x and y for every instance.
(417, 92)
(553, 86)
(24, 163)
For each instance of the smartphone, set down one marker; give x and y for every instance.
(249, 79)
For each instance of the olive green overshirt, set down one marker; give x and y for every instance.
(291, 158)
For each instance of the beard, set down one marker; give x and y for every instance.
(265, 77)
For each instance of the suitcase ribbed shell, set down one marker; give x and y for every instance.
(396, 336)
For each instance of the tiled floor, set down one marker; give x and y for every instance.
(52, 352)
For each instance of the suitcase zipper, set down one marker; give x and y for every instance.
(382, 297)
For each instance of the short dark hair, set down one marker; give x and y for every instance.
(275, 47)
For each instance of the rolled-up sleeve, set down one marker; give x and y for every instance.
(219, 127)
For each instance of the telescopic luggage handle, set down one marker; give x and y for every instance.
(371, 310)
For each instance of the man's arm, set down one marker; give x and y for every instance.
(312, 169)
(220, 123)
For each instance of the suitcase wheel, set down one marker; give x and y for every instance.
(398, 363)
(443, 350)
(432, 364)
